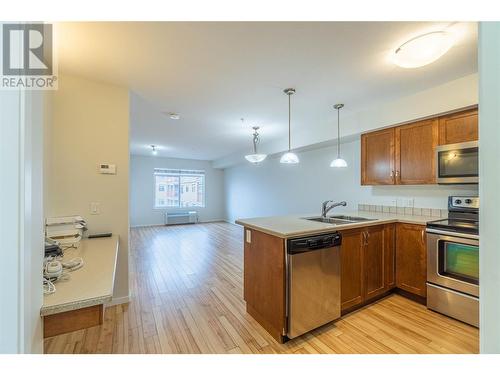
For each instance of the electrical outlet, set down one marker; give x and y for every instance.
(95, 208)
(248, 236)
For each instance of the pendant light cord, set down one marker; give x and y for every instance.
(289, 122)
(338, 133)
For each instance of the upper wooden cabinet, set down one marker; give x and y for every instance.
(459, 127)
(415, 147)
(405, 154)
(377, 157)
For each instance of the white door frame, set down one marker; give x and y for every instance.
(21, 220)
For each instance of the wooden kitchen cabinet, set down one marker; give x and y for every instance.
(264, 280)
(378, 157)
(411, 258)
(405, 154)
(373, 262)
(459, 127)
(415, 153)
(367, 264)
(351, 265)
(390, 255)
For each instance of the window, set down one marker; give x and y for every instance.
(172, 188)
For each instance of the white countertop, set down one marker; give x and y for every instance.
(90, 285)
(295, 225)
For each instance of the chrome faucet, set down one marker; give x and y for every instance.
(325, 207)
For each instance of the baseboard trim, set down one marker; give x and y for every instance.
(163, 224)
(118, 301)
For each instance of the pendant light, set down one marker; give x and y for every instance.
(338, 162)
(255, 157)
(154, 151)
(289, 157)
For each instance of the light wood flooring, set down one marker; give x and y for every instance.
(187, 297)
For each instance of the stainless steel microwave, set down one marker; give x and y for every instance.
(458, 163)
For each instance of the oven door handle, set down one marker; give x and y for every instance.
(452, 234)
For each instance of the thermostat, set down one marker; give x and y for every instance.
(107, 168)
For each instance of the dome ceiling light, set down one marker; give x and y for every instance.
(423, 49)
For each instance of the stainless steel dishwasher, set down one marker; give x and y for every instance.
(313, 282)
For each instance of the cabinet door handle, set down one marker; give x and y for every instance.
(423, 237)
(364, 238)
(397, 173)
(392, 174)
(367, 237)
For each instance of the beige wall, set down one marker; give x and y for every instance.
(90, 125)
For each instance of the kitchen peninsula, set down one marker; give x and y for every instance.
(381, 254)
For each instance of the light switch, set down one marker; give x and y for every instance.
(95, 208)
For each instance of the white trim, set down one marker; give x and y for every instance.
(118, 301)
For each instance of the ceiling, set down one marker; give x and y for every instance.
(215, 73)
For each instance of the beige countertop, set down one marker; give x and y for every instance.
(90, 285)
(295, 225)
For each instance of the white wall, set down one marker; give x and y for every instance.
(272, 188)
(142, 189)
(489, 157)
(90, 125)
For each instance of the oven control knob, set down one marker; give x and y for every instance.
(458, 201)
(468, 201)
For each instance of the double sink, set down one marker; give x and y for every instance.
(338, 219)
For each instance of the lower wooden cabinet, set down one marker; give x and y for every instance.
(264, 280)
(351, 255)
(367, 265)
(374, 260)
(411, 258)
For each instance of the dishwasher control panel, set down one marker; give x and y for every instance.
(299, 245)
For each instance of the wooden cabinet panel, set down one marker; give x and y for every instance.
(351, 269)
(411, 258)
(415, 153)
(377, 158)
(373, 262)
(264, 280)
(459, 127)
(390, 255)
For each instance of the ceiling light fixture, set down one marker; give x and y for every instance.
(154, 151)
(174, 116)
(255, 157)
(423, 49)
(338, 162)
(289, 157)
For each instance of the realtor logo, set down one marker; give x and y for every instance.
(27, 56)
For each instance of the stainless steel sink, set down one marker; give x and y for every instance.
(338, 219)
(351, 218)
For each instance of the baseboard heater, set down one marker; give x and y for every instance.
(187, 217)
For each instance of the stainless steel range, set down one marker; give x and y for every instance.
(453, 261)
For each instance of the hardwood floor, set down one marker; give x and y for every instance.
(187, 297)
